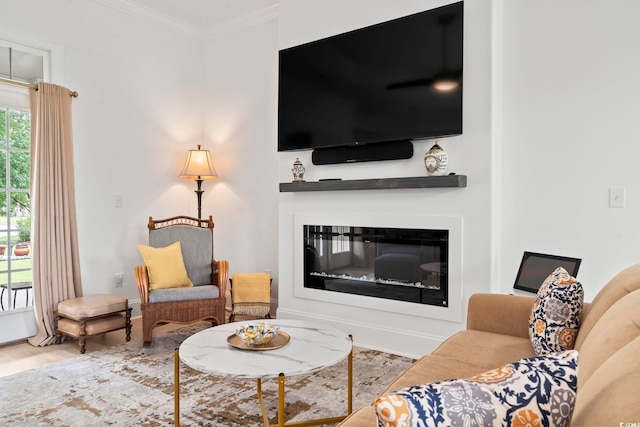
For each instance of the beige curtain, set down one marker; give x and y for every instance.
(56, 266)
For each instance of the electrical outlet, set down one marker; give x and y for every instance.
(119, 280)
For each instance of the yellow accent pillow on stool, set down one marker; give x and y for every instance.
(165, 266)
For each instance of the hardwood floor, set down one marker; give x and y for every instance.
(21, 356)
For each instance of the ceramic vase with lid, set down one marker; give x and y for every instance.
(298, 171)
(436, 160)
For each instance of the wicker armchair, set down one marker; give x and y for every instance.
(206, 299)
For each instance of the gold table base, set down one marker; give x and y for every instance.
(281, 397)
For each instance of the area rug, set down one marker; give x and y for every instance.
(130, 385)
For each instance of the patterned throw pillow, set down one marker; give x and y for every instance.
(539, 391)
(555, 315)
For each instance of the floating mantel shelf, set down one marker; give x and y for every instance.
(376, 184)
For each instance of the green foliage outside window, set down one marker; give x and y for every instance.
(19, 161)
(25, 224)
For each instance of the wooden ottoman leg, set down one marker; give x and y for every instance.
(83, 332)
(128, 324)
(57, 338)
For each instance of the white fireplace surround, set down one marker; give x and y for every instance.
(453, 224)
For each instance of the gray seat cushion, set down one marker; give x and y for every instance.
(184, 294)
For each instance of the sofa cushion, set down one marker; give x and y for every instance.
(485, 349)
(555, 315)
(535, 391)
(363, 417)
(623, 283)
(610, 396)
(432, 368)
(617, 327)
(165, 266)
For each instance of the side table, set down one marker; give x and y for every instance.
(15, 287)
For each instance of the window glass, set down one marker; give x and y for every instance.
(4, 62)
(26, 67)
(15, 207)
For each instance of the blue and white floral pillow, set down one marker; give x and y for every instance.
(539, 391)
(555, 315)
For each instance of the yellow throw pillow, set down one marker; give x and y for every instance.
(165, 266)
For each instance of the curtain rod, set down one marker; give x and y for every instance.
(72, 93)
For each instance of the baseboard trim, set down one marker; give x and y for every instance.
(389, 340)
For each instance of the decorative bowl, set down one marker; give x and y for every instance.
(257, 334)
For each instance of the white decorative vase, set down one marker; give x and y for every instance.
(436, 160)
(298, 171)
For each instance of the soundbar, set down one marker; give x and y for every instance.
(392, 150)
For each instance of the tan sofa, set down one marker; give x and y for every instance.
(608, 344)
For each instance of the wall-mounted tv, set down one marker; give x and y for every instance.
(378, 84)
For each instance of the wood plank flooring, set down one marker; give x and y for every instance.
(20, 356)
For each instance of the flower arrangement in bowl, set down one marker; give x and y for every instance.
(257, 334)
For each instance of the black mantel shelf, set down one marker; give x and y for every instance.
(376, 184)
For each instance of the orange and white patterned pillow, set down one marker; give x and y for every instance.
(539, 391)
(555, 315)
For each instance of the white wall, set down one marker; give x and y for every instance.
(571, 106)
(139, 111)
(240, 115)
(470, 154)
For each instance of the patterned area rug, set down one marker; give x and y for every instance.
(131, 385)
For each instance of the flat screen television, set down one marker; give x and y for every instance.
(377, 84)
(535, 268)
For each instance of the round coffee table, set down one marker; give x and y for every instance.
(312, 346)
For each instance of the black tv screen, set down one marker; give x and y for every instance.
(375, 84)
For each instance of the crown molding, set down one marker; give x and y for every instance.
(245, 21)
(168, 22)
(138, 11)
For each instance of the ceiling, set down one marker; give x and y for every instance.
(204, 14)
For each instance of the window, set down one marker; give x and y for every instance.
(26, 65)
(15, 207)
(340, 243)
(20, 64)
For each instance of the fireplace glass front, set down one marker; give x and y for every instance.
(393, 263)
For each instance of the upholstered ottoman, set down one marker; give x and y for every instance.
(92, 315)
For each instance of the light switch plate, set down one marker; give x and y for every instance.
(617, 197)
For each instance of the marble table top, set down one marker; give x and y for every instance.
(312, 346)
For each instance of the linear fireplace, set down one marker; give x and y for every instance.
(408, 265)
(403, 264)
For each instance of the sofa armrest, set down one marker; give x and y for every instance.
(500, 314)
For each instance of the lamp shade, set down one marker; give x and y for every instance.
(198, 165)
